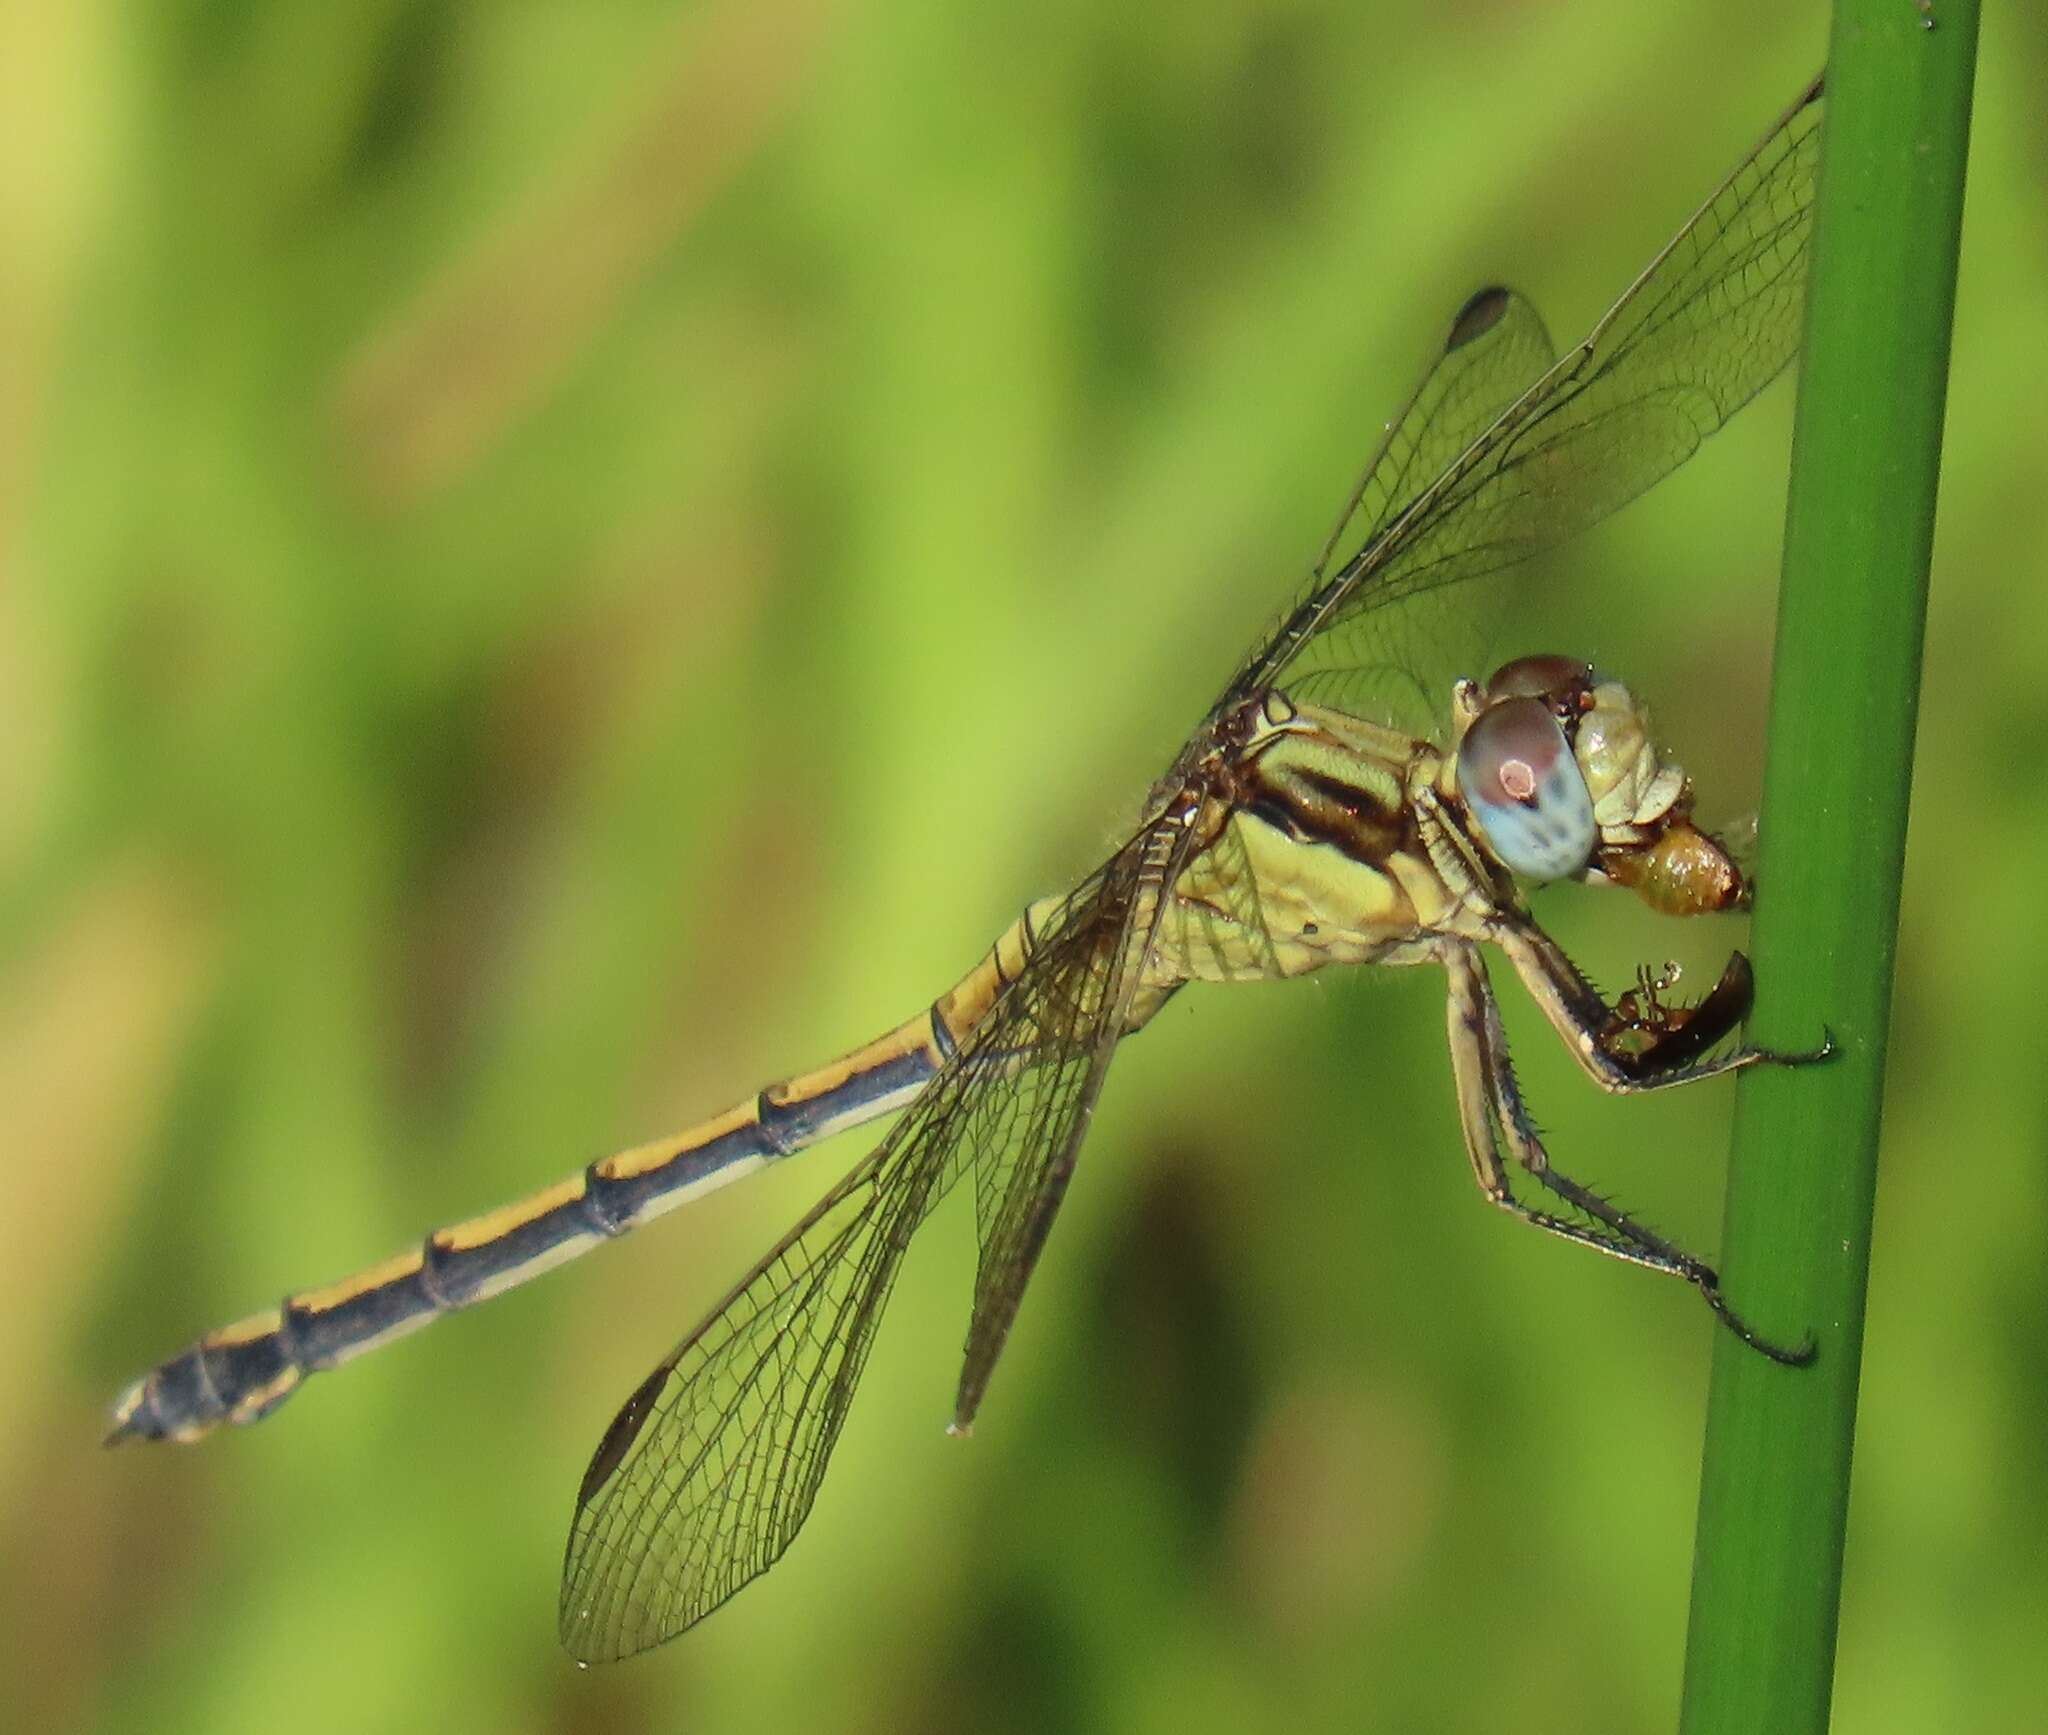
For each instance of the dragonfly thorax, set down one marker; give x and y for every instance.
(1322, 842)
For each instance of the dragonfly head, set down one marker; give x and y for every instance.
(1559, 771)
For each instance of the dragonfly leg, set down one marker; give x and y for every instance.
(1492, 1114)
(1588, 1025)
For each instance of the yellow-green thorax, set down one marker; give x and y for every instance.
(1327, 843)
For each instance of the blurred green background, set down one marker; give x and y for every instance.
(557, 564)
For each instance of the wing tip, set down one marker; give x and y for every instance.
(1480, 314)
(619, 1436)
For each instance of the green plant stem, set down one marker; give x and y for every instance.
(1775, 1479)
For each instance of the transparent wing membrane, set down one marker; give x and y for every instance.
(1496, 347)
(710, 1469)
(1218, 914)
(1502, 453)
(1283, 838)
(1024, 1144)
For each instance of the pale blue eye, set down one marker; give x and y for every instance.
(1525, 792)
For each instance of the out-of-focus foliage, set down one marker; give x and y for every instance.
(557, 563)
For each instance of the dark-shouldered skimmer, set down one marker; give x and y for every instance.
(1301, 825)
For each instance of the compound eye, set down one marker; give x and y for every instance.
(1563, 683)
(1525, 791)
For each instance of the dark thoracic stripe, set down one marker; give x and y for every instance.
(1271, 810)
(1310, 806)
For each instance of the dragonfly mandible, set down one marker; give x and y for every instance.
(1300, 826)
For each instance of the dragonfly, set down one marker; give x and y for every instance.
(1320, 814)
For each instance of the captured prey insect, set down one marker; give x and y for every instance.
(1311, 819)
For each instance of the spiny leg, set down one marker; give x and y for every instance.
(1491, 1113)
(1588, 1025)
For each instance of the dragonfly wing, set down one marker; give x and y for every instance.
(1215, 924)
(710, 1468)
(1495, 349)
(1024, 1141)
(1025, 1149)
(1708, 324)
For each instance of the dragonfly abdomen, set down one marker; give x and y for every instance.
(242, 1372)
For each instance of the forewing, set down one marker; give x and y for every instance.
(709, 1470)
(1711, 321)
(1495, 350)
